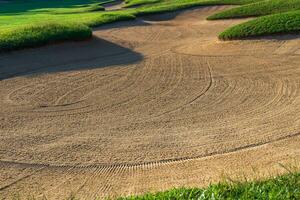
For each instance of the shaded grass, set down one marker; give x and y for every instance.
(288, 22)
(79, 9)
(286, 187)
(46, 6)
(258, 9)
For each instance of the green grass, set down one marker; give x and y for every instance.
(286, 187)
(22, 19)
(40, 34)
(22, 16)
(258, 9)
(50, 7)
(172, 5)
(282, 23)
(83, 9)
(131, 3)
(31, 11)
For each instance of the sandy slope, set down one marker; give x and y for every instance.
(116, 5)
(145, 106)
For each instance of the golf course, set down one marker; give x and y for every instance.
(150, 99)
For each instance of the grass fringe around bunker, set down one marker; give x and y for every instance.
(285, 187)
(21, 22)
(260, 8)
(282, 23)
(34, 23)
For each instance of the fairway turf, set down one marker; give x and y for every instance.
(39, 34)
(258, 9)
(282, 23)
(286, 187)
(50, 7)
(173, 5)
(19, 16)
(131, 3)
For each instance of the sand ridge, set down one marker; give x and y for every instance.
(158, 99)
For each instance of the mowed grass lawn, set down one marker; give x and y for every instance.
(280, 16)
(36, 22)
(283, 23)
(286, 187)
(258, 9)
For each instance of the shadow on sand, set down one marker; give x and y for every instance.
(91, 54)
(146, 20)
(275, 37)
(123, 24)
(114, 5)
(283, 37)
(170, 15)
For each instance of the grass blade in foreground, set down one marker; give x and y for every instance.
(288, 22)
(285, 187)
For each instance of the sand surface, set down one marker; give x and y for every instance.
(115, 5)
(147, 105)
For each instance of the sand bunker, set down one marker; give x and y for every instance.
(145, 106)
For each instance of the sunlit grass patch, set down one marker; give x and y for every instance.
(40, 34)
(258, 9)
(286, 187)
(288, 22)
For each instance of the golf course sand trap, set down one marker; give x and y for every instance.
(147, 105)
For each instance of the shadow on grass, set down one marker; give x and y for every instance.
(91, 54)
(18, 6)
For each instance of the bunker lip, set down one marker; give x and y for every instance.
(115, 5)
